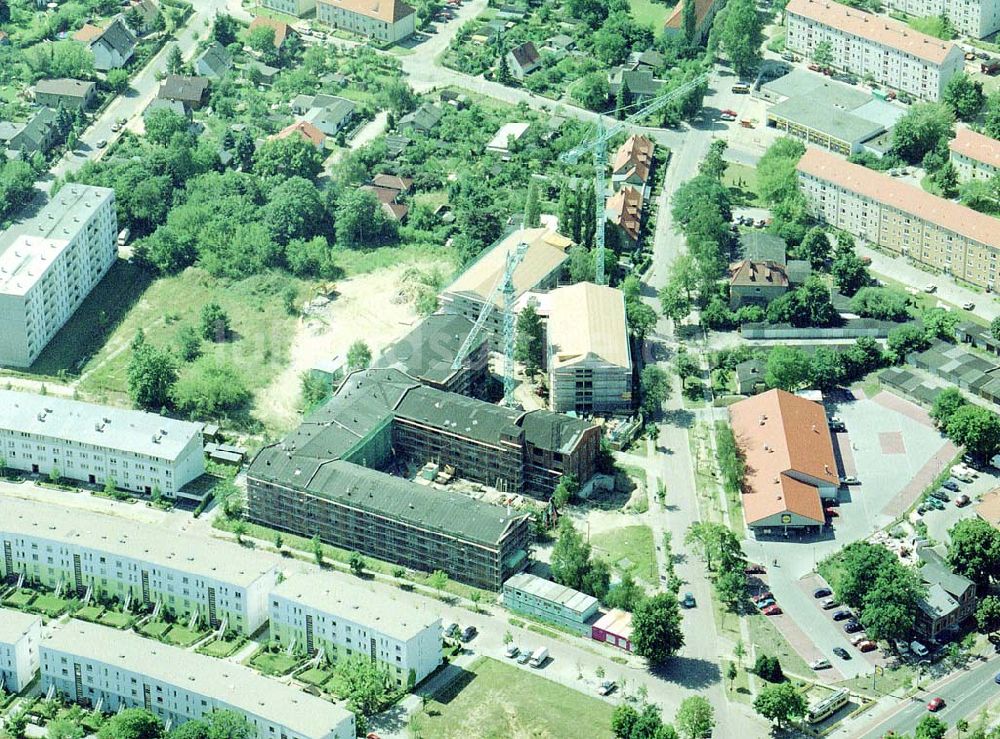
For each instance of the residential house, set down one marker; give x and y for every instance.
(189, 91)
(589, 359)
(614, 628)
(392, 182)
(175, 106)
(790, 463)
(560, 43)
(750, 377)
(649, 59)
(975, 155)
(20, 634)
(329, 113)
(756, 283)
(37, 135)
(704, 14)
(523, 60)
(632, 164)
(637, 85)
(387, 198)
(625, 211)
(214, 62)
(423, 119)
(298, 8)
(112, 47)
(304, 130)
(280, 28)
(260, 73)
(69, 93)
(388, 21)
(950, 598)
(509, 133)
(148, 13)
(549, 601)
(870, 45)
(761, 246)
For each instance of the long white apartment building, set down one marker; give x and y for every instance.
(19, 637)
(49, 264)
(975, 156)
(901, 218)
(91, 443)
(84, 551)
(891, 52)
(90, 665)
(317, 611)
(976, 18)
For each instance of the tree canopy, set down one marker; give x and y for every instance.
(656, 628)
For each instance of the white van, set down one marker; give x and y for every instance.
(918, 649)
(538, 657)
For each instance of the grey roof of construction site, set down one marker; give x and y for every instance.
(458, 414)
(428, 351)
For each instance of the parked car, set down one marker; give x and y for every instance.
(852, 626)
(997, 679)
(101, 143)
(727, 115)
(831, 512)
(468, 632)
(968, 306)
(688, 600)
(116, 127)
(850, 480)
(451, 630)
(767, 602)
(962, 500)
(741, 88)
(841, 652)
(754, 569)
(935, 704)
(511, 651)
(606, 687)
(836, 424)
(935, 504)
(819, 664)
(829, 603)
(841, 615)
(858, 639)
(761, 596)
(523, 658)
(950, 484)
(930, 287)
(822, 592)
(867, 646)
(772, 610)
(941, 494)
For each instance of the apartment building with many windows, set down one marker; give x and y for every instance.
(97, 666)
(976, 18)
(865, 44)
(901, 218)
(19, 637)
(298, 8)
(49, 264)
(316, 611)
(387, 21)
(975, 156)
(86, 552)
(139, 451)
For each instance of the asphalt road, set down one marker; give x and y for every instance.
(964, 692)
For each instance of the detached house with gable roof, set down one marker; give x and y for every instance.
(625, 211)
(112, 47)
(632, 164)
(388, 21)
(523, 60)
(790, 463)
(756, 283)
(950, 597)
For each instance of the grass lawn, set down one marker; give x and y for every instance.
(20, 599)
(769, 640)
(274, 663)
(493, 700)
(631, 543)
(891, 681)
(116, 620)
(155, 629)
(740, 689)
(183, 637)
(648, 13)
(221, 648)
(314, 676)
(50, 605)
(742, 182)
(90, 613)
(357, 262)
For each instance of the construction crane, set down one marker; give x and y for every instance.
(597, 146)
(504, 286)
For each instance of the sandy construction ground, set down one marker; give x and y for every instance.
(366, 307)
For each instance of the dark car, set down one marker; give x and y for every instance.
(941, 495)
(841, 615)
(997, 679)
(822, 592)
(468, 632)
(950, 484)
(761, 596)
(841, 652)
(754, 569)
(852, 626)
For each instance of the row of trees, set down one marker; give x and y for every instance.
(971, 426)
(695, 719)
(137, 723)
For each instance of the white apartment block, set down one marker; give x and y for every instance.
(863, 43)
(902, 218)
(19, 637)
(317, 611)
(91, 443)
(975, 156)
(976, 18)
(84, 551)
(298, 8)
(49, 264)
(388, 21)
(94, 665)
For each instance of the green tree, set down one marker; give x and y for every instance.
(977, 429)
(503, 75)
(731, 674)
(175, 62)
(566, 490)
(715, 542)
(991, 119)
(366, 685)
(626, 594)
(885, 303)
(988, 614)
(826, 370)
(288, 157)
(924, 127)
(741, 36)
(654, 389)
(731, 587)
(948, 401)
(815, 247)
(317, 549)
(689, 22)
(189, 343)
(656, 628)
(438, 580)
(780, 703)
(132, 723)
(714, 164)
(63, 728)
(974, 551)
(695, 718)
(823, 54)
(905, 339)
(930, 727)
(211, 386)
(357, 564)
(359, 356)
(117, 80)
(214, 322)
(150, 375)
(788, 368)
(219, 724)
(532, 208)
(224, 29)
(163, 124)
(261, 39)
(964, 96)
(361, 221)
(946, 178)
(890, 606)
(641, 319)
(529, 340)
(939, 323)
(239, 528)
(675, 303)
(572, 565)
(623, 721)
(591, 90)
(295, 210)
(776, 177)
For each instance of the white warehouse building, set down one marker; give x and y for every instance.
(49, 264)
(315, 611)
(19, 637)
(81, 441)
(143, 563)
(90, 665)
(863, 43)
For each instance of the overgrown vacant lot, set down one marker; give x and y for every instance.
(495, 701)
